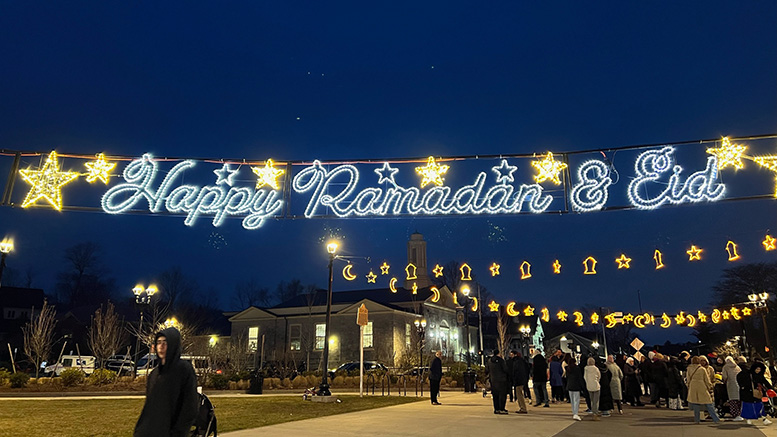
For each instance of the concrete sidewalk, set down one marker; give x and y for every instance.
(471, 414)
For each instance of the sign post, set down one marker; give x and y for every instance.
(361, 320)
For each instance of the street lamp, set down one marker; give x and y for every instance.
(759, 301)
(142, 297)
(6, 247)
(323, 390)
(420, 327)
(526, 332)
(469, 379)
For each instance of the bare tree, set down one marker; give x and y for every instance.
(39, 335)
(503, 332)
(105, 333)
(289, 290)
(249, 293)
(174, 285)
(84, 281)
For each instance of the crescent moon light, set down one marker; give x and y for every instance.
(436, 295)
(638, 321)
(475, 304)
(510, 309)
(393, 285)
(347, 273)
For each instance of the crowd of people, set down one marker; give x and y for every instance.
(722, 387)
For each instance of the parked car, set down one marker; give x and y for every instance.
(84, 363)
(121, 364)
(353, 366)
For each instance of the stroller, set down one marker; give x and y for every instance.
(206, 419)
(768, 400)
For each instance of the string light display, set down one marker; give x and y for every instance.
(393, 285)
(504, 172)
(680, 318)
(639, 321)
(667, 321)
(746, 311)
(658, 257)
(611, 320)
(415, 288)
(694, 253)
(475, 304)
(702, 317)
(594, 318)
(466, 272)
(691, 321)
(437, 270)
(347, 274)
(528, 311)
(548, 169)
(590, 193)
(386, 174)
(432, 173)
(410, 271)
(384, 268)
(556, 267)
(99, 169)
(225, 175)
(545, 317)
(578, 318)
(628, 318)
(623, 262)
(510, 310)
(769, 243)
(371, 277)
(589, 266)
(525, 270)
(494, 269)
(735, 313)
(652, 164)
(769, 162)
(731, 248)
(493, 306)
(715, 316)
(267, 175)
(47, 182)
(562, 315)
(435, 294)
(728, 154)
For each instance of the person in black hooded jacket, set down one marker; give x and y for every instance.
(171, 392)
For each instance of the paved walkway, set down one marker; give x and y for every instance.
(470, 414)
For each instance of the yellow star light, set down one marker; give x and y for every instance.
(431, 173)
(728, 154)
(494, 269)
(437, 270)
(528, 311)
(562, 315)
(384, 268)
(594, 318)
(623, 262)
(47, 182)
(628, 318)
(680, 318)
(694, 253)
(371, 277)
(493, 307)
(726, 315)
(556, 267)
(746, 311)
(769, 243)
(702, 317)
(99, 169)
(548, 169)
(267, 175)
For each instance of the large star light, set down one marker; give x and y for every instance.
(548, 169)
(504, 172)
(99, 169)
(386, 174)
(432, 173)
(267, 175)
(728, 154)
(47, 182)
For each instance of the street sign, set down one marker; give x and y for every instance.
(361, 317)
(638, 356)
(637, 344)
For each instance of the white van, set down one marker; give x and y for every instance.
(149, 361)
(84, 363)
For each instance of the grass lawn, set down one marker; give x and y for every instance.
(116, 417)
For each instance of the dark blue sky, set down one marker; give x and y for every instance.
(300, 81)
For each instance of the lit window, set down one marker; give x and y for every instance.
(253, 338)
(320, 334)
(368, 335)
(295, 337)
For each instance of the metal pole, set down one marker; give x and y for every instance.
(2, 266)
(604, 335)
(324, 389)
(466, 320)
(639, 298)
(137, 345)
(480, 328)
(766, 334)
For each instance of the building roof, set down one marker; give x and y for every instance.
(17, 297)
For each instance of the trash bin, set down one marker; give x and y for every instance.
(469, 381)
(255, 383)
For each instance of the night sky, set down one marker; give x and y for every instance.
(295, 81)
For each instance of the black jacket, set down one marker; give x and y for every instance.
(575, 378)
(435, 370)
(745, 382)
(540, 369)
(171, 394)
(520, 371)
(497, 372)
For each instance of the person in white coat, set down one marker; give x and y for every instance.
(592, 376)
(729, 374)
(615, 383)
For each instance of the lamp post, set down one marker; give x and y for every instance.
(142, 298)
(469, 378)
(759, 301)
(6, 247)
(331, 248)
(526, 332)
(420, 326)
